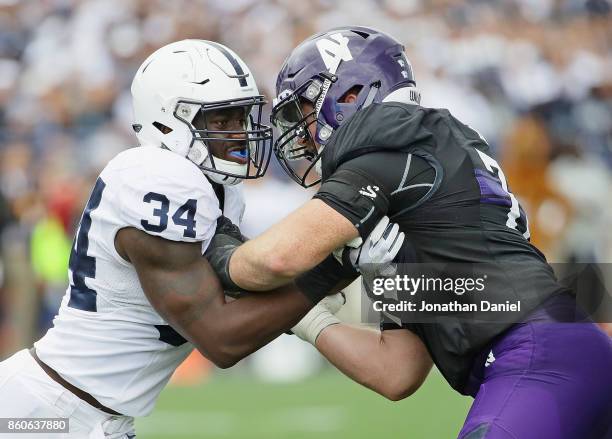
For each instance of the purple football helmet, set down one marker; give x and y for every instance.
(322, 71)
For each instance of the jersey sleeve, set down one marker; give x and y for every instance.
(359, 197)
(179, 206)
(372, 185)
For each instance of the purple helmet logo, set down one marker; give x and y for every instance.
(322, 71)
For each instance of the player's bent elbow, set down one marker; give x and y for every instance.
(219, 358)
(396, 391)
(224, 362)
(224, 353)
(392, 396)
(280, 266)
(399, 393)
(398, 386)
(228, 358)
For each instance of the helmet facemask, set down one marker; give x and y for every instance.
(225, 150)
(295, 148)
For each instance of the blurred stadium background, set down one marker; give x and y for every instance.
(533, 76)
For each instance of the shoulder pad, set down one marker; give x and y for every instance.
(164, 194)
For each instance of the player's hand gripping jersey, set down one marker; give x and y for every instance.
(433, 176)
(107, 337)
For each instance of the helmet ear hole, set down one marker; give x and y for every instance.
(351, 94)
(163, 128)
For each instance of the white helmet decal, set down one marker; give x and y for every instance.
(334, 50)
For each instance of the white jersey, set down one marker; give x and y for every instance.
(107, 339)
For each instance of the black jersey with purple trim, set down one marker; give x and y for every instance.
(433, 176)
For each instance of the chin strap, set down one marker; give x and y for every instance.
(318, 167)
(222, 179)
(371, 94)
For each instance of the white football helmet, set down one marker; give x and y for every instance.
(188, 77)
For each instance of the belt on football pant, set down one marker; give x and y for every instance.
(75, 390)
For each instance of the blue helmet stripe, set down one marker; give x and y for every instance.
(237, 67)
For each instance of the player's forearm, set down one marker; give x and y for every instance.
(259, 265)
(230, 332)
(290, 248)
(394, 368)
(356, 352)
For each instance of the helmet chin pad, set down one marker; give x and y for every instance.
(228, 168)
(217, 169)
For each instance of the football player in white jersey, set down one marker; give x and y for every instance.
(140, 294)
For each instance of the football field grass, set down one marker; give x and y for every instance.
(328, 405)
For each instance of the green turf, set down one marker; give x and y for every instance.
(326, 406)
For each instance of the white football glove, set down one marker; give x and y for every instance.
(374, 256)
(319, 317)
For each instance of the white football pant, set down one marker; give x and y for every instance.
(26, 391)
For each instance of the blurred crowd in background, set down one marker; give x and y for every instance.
(533, 76)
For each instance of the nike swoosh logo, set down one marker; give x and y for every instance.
(201, 82)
